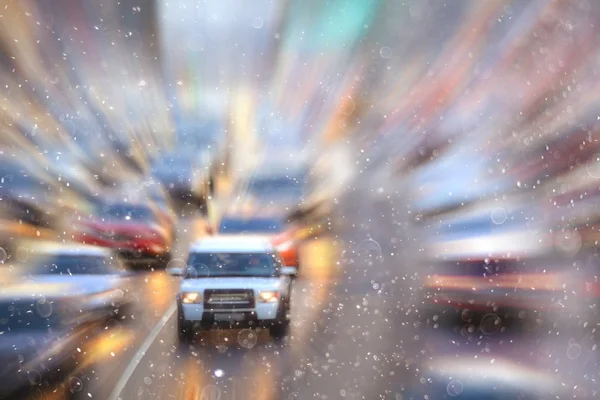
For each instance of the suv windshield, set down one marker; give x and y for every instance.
(74, 265)
(254, 225)
(232, 264)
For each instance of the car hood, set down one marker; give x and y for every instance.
(198, 284)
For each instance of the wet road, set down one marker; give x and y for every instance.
(350, 335)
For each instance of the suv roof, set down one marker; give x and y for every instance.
(232, 244)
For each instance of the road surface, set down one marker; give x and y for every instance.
(350, 335)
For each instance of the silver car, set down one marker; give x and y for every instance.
(91, 273)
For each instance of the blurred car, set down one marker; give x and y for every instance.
(133, 230)
(51, 306)
(275, 186)
(483, 377)
(186, 176)
(234, 281)
(268, 195)
(36, 344)
(90, 272)
(268, 227)
(490, 260)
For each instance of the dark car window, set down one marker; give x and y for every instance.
(233, 264)
(484, 224)
(254, 225)
(276, 188)
(74, 265)
(126, 212)
(274, 184)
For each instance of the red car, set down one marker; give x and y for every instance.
(134, 231)
(287, 246)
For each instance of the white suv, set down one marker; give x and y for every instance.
(233, 281)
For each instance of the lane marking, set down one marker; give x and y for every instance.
(139, 355)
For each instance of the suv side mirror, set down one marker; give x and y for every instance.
(289, 271)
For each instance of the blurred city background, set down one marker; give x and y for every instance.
(431, 168)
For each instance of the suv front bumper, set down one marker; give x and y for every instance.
(261, 311)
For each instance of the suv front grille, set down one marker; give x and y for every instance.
(224, 299)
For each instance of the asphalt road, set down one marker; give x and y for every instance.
(144, 359)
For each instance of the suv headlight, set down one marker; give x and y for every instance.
(268, 296)
(191, 298)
